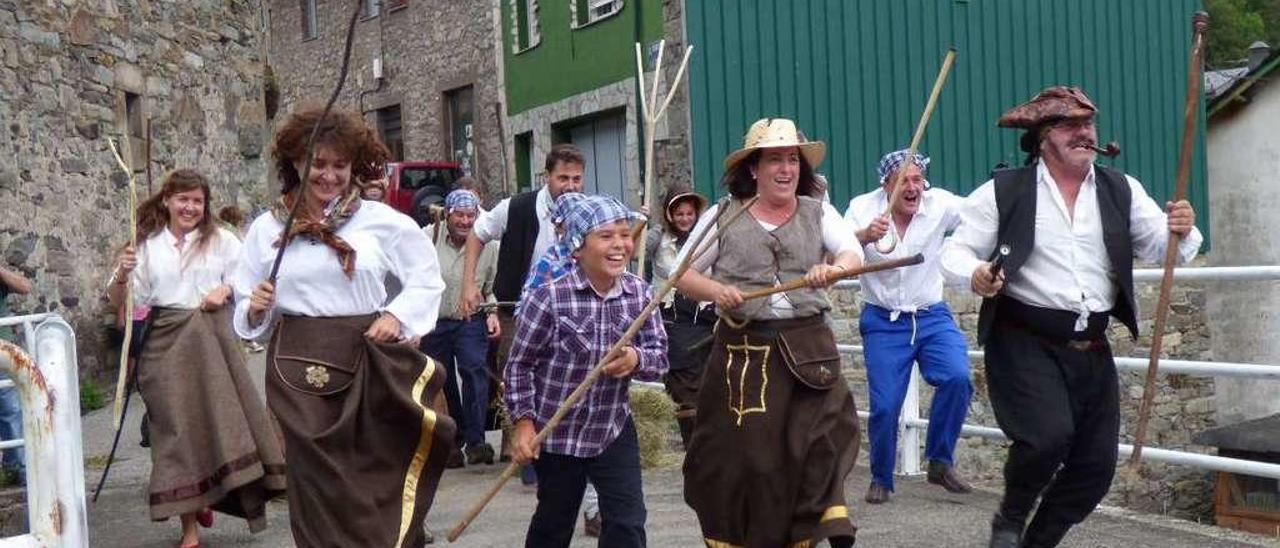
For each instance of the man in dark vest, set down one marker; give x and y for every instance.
(1072, 228)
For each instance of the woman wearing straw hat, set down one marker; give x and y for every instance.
(772, 385)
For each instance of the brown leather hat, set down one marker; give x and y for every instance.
(1050, 105)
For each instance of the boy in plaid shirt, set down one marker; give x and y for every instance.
(562, 330)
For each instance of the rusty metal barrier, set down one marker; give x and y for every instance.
(49, 389)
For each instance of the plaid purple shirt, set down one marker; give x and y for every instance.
(562, 330)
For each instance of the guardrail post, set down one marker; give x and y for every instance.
(48, 387)
(908, 432)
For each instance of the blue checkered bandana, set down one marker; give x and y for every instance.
(564, 204)
(591, 213)
(461, 199)
(894, 160)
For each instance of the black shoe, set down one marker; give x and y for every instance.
(1044, 531)
(877, 494)
(1005, 533)
(945, 475)
(481, 453)
(455, 459)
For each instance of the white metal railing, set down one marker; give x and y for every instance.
(49, 389)
(910, 424)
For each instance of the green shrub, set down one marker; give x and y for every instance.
(91, 397)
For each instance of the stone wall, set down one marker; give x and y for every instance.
(427, 49)
(195, 70)
(1183, 405)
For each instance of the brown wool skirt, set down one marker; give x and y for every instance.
(212, 443)
(769, 456)
(365, 444)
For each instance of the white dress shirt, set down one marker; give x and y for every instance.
(915, 287)
(837, 238)
(311, 282)
(1068, 268)
(492, 224)
(173, 276)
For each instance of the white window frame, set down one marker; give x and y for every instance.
(532, 25)
(597, 11)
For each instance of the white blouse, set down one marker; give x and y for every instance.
(169, 277)
(311, 282)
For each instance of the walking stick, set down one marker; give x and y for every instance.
(696, 251)
(947, 61)
(799, 283)
(1199, 23)
(117, 407)
(651, 118)
(311, 144)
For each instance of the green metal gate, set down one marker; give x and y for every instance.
(856, 74)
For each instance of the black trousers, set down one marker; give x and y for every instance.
(1057, 400)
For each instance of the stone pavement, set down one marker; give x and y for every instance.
(919, 515)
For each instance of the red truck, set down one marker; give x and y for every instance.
(412, 187)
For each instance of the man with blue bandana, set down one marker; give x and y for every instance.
(905, 321)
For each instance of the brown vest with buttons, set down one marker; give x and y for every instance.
(752, 258)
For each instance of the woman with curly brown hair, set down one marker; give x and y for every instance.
(350, 391)
(211, 441)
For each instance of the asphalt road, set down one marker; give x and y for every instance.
(919, 515)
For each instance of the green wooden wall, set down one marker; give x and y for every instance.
(569, 61)
(857, 73)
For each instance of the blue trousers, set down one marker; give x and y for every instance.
(460, 346)
(616, 475)
(928, 337)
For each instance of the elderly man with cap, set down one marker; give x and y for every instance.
(460, 342)
(1072, 229)
(905, 320)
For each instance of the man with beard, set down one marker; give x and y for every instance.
(1073, 229)
(905, 321)
(460, 342)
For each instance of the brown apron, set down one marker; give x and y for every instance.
(770, 451)
(212, 443)
(365, 447)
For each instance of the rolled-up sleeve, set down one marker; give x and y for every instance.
(414, 262)
(530, 350)
(975, 236)
(492, 224)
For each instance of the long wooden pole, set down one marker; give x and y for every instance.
(698, 249)
(1199, 23)
(938, 82)
(117, 407)
(799, 283)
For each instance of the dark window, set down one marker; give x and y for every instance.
(370, 9)
(442, 178)
(525, 14)
(135, 131)
(461, 107)
(524, 173)
(310, 27)
(590, 11)
(388, 119)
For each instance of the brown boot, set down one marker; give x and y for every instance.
(944, 475)
(877, 494)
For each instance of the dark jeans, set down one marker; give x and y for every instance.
(465, 341)
(616, 475)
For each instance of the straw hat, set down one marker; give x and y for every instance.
(776, 133)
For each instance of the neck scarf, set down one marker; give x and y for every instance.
(336, 214)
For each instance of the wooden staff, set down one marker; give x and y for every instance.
(947, 61)
(697, 249)
(799, 283)
(117, 407)
(651, 118)
(1199, 23)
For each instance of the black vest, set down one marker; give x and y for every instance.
(1015, 191)
(516, 249)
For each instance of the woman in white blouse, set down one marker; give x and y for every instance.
(365, 449)
(211, 441)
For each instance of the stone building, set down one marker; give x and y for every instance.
(424, 72)
(73, 74)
